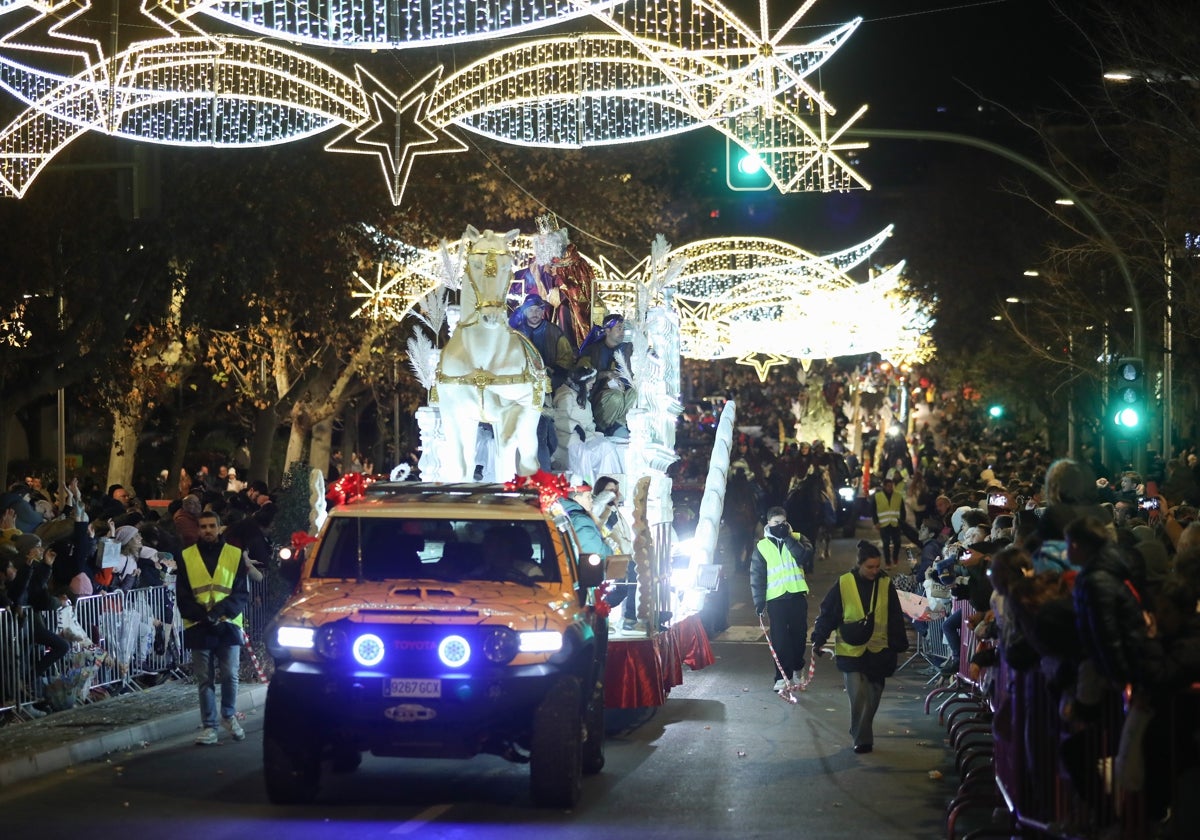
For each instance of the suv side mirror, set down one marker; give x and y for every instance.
(591, 570)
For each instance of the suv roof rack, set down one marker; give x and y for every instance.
(462, 491)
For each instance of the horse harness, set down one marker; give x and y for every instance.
(484, 379)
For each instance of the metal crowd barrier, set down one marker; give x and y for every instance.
(1058, 777)
(116, 638)
(931, 646)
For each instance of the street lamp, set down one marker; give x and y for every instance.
(1168, 363)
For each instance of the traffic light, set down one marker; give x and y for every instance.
(744, 170)
(996, 412)
(1128, 406)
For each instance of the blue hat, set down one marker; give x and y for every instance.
(517, 318)
(598, 332)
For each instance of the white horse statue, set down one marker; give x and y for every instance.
(489, 372)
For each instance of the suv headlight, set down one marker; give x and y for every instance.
(295, 638)
(454, 651)
(541, 641)
(368, 650)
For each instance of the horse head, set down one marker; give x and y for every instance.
(489, 275)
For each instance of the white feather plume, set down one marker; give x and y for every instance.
(452, 265)
(662, 273)
(431, 310)
(422, 358)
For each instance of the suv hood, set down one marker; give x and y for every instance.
(322, 601)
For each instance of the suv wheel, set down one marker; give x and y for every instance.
(291, 766)
(556, 750)
(292, 772)
(593, 741)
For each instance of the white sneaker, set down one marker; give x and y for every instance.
(208, 737)
(781, 684)
(234, 728)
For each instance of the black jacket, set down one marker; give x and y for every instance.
(877, 666)
(802, 552)
(1109, 617)
(30, 588)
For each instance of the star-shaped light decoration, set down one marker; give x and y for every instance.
(623, 291)
(380, 299)
(762, 363)
(397, 130)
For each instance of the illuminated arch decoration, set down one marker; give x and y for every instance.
(667, 66)
(179, 86)
(760, 301)
(750, 298)
(394, 24)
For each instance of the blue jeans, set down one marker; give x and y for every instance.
(952, 631)
(228, 658)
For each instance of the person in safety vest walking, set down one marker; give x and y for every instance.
(212, 593)
(863, 607)
(778, 586)
(888, 513)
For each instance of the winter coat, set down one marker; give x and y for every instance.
(876, 666)
(1108, 614)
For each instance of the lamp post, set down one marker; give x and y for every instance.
(1168, 362)
(1066, 196)
(61, 418)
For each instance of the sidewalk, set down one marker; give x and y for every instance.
(29, 749)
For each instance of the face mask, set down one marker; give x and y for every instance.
(780, 531)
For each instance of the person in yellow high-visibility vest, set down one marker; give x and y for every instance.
(778, 586)
(865, 590)
(212, 593)
(888, 514)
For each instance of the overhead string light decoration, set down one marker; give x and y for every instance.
(395, 24)
(668, 67)
(159, 79)
(152, 73)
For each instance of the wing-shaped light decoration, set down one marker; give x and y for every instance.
(394, 24)
(171, 88)
(669, 66)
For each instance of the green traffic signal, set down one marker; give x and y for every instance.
(744, 170)
(1129, 394)
(996, 412)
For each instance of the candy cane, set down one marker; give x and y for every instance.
(787, 693)
(258, 669)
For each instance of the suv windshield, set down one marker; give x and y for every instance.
(442, 549)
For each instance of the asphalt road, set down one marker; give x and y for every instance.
(725, 757)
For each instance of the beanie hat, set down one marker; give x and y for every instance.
(24, 543)
(124, 534)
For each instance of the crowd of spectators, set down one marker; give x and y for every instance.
(57, 546)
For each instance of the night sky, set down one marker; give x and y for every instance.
(936, 65)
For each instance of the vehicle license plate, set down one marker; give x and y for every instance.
(400, 687)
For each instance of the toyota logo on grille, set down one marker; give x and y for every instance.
(409, 644)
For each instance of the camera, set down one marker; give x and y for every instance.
(1148, 504)
(998, 500)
